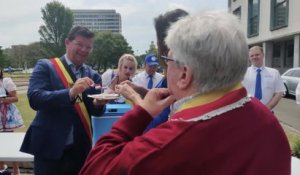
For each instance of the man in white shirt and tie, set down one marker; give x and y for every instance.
(149, 78)
(262, 82)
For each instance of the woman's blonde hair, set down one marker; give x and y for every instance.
(128, 57)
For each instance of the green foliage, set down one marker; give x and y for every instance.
(141, 59)
(152, 49)
(34, 51)
(108, 48)
(16, 56)
(296, 148)
(58, 22)
(2, 58)
(24, 56)
(25, 110)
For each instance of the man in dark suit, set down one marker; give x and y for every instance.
(60, 135)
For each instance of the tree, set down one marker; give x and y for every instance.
(58, 22)
(24, 56)
(34, 51)
(152, 48)
(108, 48)
(16, 56)
(2, 58)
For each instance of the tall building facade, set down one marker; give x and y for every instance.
(98, 20)
(274, 25)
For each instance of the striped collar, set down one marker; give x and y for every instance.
(196, 106)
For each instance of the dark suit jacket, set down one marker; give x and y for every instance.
(56, 115)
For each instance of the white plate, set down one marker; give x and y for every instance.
(105, 96)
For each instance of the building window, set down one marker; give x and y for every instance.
(279, 14)
(238, 12)
(253, 18)
(289, 54)
(276, 55)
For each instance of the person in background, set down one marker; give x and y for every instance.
(11, 118)
(162, 24)
(60, 137)
(148, 78)
(127, 67)
(263, 82)
(214, 127)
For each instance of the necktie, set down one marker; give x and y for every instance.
(150, 82)
(258, 92)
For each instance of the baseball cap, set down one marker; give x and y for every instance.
(151, 59)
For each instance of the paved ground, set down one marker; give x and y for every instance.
(288, 112)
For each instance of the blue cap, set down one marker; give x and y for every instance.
(151, 59)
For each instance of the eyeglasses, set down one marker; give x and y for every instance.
(166, 59)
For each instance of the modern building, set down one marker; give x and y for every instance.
(274, 25)
(98, 20)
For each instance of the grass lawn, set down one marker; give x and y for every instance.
(25, 110)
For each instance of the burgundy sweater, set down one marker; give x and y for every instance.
(247, 140)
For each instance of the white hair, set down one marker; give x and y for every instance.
(214, 46)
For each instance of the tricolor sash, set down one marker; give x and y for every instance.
(79, 104)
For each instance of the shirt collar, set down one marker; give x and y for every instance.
(70, 64)
(200, 99)
(255, 68)
(147, 75)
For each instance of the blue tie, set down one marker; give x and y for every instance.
(150, 82)
(258, 92)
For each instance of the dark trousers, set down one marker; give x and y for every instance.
(69, 164)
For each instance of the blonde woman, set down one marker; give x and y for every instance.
(127, 67)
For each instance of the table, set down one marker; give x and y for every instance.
(295, 166)
(10, 145)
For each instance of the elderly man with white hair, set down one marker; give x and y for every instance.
(214, 127)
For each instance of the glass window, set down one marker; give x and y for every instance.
(297, 73)
(276, 55)
(289, 73)
(279, 14)
(253, 17)
(238, 12)
(289, 55)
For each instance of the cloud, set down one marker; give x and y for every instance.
(20, 20)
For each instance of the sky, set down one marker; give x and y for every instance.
(20, 19)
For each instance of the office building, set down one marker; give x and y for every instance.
(274, 25)
(98, 20)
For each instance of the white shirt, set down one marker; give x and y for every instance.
(7, 85)
(107, 77)
(142, 79)
(271, 82)
(298, 94)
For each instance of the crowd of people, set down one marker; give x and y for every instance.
(208, 113)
